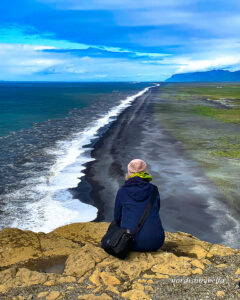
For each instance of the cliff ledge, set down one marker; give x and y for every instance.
(68, 263)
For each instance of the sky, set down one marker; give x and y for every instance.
(116, 40)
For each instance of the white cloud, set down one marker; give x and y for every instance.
(21, 59)
(26, 62)
(29, 61)
(203, 65)
(183, 64)
(16, 34)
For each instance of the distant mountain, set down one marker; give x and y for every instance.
(215, 75)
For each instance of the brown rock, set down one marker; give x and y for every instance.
(18, 246)
(81, 279)
(55, 245)
(83, 232)
(94, 297)
(66, 279)
(143, 280)
(98, 289)
(3, 288)
(53, 276)
(148, 288)
(137, 286)
(217, 249)
(172, 265)
(148, 276)
(131, 267)
(109, 279)
(184, 234)
(186, 245)
(150, 281)
(83, 260)
(53, 295)
(135, 295)
(7, 275)
(221, 266)
(112, 289)
(220, 293)
(42, 294)
(94, 278)
(50, 283)
(197, 263)
(205, 261)
(90, 286)
(182, 254)
(160, 276)
(25, 277)
(197, 271)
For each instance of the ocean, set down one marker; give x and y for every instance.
(47, 131)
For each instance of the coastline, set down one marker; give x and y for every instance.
(186, 192)
(69, 262)
(37, 179)
(107, 163)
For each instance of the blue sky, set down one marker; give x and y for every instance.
(116, 40)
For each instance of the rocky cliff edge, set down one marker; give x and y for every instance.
(68, 263)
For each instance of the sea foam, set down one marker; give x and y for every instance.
(56, 205)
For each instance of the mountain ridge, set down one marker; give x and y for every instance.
(208, 76)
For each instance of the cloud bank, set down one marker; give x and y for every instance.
(117, 40)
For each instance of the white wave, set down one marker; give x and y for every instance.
(56, 207)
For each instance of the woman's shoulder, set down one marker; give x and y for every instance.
(121, 190)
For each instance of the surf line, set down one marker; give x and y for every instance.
(57, 207)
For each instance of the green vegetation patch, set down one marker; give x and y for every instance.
(227, 147)
(213, 91)
(222, 114)
(209, 133)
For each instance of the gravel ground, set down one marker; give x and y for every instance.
(204, 286)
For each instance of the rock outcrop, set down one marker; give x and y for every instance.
(184, 268)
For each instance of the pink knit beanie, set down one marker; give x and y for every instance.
(136, 166)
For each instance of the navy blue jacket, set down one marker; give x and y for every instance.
(131, 201)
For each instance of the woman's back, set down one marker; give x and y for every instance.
(131, 201)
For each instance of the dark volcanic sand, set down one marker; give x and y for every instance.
(189, 200)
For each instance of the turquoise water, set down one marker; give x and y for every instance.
(24, 103)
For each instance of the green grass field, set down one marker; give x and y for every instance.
(209, 131)
(212, 91)
(217, 92)
(196, 94)
(230, 115)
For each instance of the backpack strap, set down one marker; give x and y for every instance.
(146, 211)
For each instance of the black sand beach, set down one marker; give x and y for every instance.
(189, 200)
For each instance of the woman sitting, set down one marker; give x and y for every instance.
(131, 201)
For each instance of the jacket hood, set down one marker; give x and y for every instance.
(137, 188)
